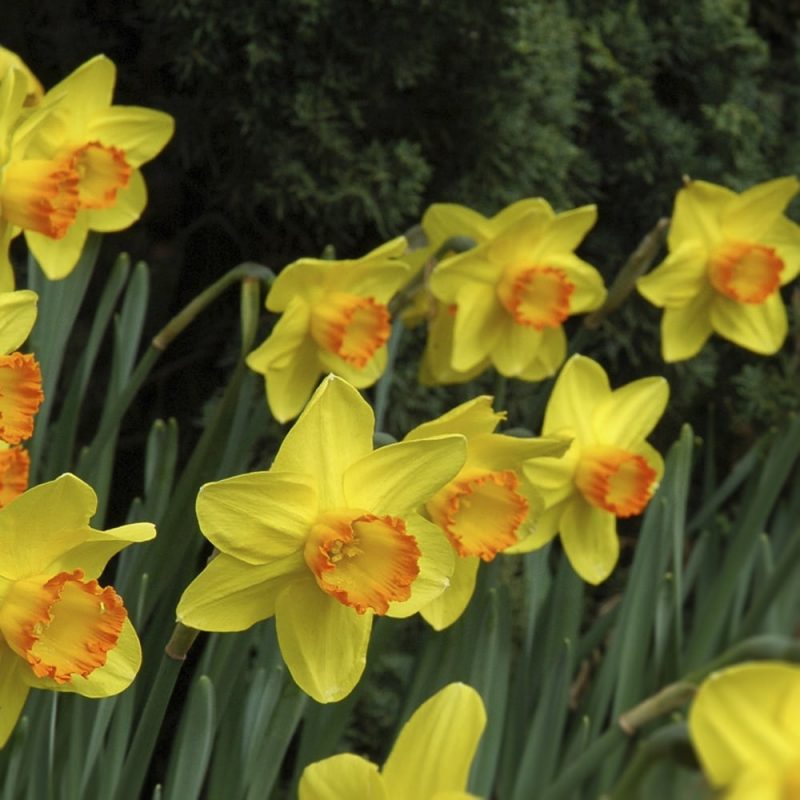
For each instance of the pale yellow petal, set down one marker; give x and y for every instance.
(760, 327)
(443, 221)
(629, 414)
(451, 603)
(341, 777)
(323, 642)
(580, 387)
(480, 320)
(752, 213)
(333, 432)
(566, 232)
(698, 212)
(685, 330)
(400, 477)
(17, 315)
(496, 451)
(379, 280)
(520, 208)
(435, 748)
(470, 419)
(549, 357)
(229, 595)
(589, 537)
(521, 242)
(258, 517)
(680, 277)
(516, 346)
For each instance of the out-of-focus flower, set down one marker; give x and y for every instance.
(325, 540)
(334, 318)
(10, 60)
(511, 294)
(20, 377)
(430, 760)
(729, 255)
(104, 145)
(609, 470)
(59, 629)
(490, 505)
(745, 726)
(36, 194)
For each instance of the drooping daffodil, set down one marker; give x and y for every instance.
(729, 255)
(334, 318)
(325, 540)
(59, 629)
(105, 145)
(744, 724)
(430, 760)
(490, 505)
(609, 470)
(511, 295)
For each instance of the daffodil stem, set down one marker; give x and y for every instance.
(385, 382)
(134, 771)
(246, 273)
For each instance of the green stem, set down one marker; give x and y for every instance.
(385, 382)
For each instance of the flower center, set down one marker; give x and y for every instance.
(538, 297)
(480, 512)
(352, 327)
(103, 171)
(64, 626)
(20, 396)
(615, 480)
(747, 273)
(14, 466)
(363, 560)
(40, 196)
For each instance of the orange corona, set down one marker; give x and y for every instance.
(537, 297)
(747, 273)
(20, 396)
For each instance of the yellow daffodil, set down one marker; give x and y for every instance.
(609, 470)
(511, 294)
(430, 760)
(59, 629)
(324, 540)
(729, 254)
(745, 727)
(36, 193)
(105, 145)
(20, 377)
(33, 89)
(490, 505)
(334, 318)
(443, 222)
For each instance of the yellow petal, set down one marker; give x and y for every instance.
(258, 517)
(58, 257)
(579, 389)
(229, 595)
(323, 642)
(141, 132)
(435, 748)
(736, 721)
(436, 564)
(333, 432)
(451, 603)
(553, 477)
(470, 419)
(698, 212)
(589, 537)
(13, 690)
(752, 213)
(520, 208)
(680, 277)
(128, 207)
(7, 281)
(784, 238)
(116, 675)
(360, 377)
(92, 555)
(342, 777)
(589, 290)
(377, 279)
(760, 327)
(629, 414)
(549, 357)
(567, 231)
(290, 385)
(516, 346)
(444, 220)
(480, 320)
(17, 315)
(498, 452)
(449, 278)
(685, 330)
(400, 477)
(436, 360)
(289, 333)
(44, 523)
(521, 242)
(86, 90)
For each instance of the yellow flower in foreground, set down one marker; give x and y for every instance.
(490, 505)
(609, 470)
(729, 255)
(325, 540)
(10, 60)
(745, 726)
(58, 628)
(513, 293)
(20, 377)
(105, 145)
(430, 760)
(334, 319)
